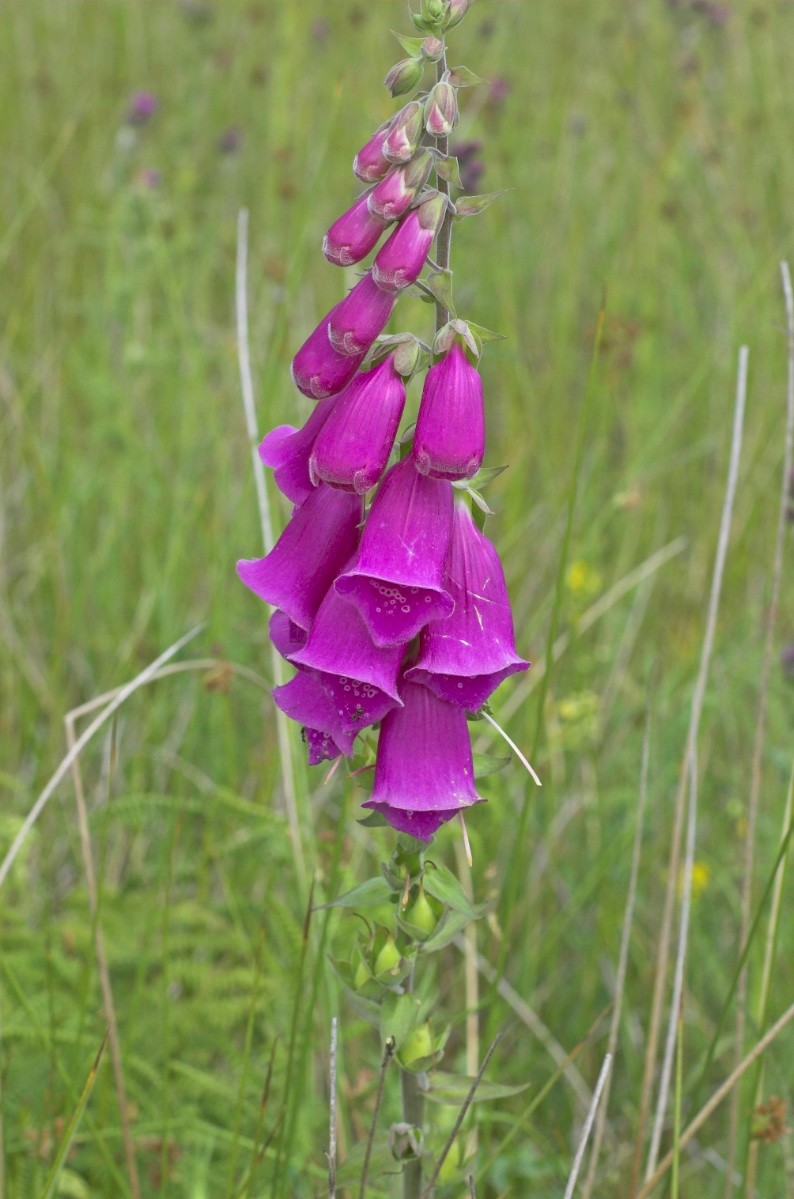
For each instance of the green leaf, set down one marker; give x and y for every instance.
(485, 764)
(374, 820)
(442, 884)
(447, 929)
(463, 77)
(399, 1016)
(484, 334)
(71, 1128)
(479, 501)
(440, 284)
(474, 205)
(370, 894)
(485, 476)
(454, 1088)
(411, 45)
(448, 168)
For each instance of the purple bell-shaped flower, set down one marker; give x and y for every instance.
(359, 677)
(449, 441)
(286, 636)
(305, 700)
(424, 773)
(318, 370)
(354, 234)
(400, 260)
(354, 444)
(396, 580)
(464, 658)
(354, 324)
(286, 450)
(371, 164)
(320, 537)
(393, 196)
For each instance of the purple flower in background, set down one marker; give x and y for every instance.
(305, 700)
(141, 108)
(787, 660)
(392, 197)
(371, 164)
(230, 140)
(355, 323)
(396, 580)
(359, 677)
(354, 234)
(424, 773)
(449, 442)
(353, 447)
(286, 450)
(472, 168)
(464, 658)
(318, 370)
(498, 90)
(318, 540)
(400, 260)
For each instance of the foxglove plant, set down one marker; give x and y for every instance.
(394, 611)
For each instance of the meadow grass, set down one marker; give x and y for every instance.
(646, 147)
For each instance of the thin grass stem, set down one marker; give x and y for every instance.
(388, 1054)
(332, 1108)
(588, 1125)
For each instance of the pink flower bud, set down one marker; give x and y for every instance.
(432, 49)
(318, 370)
(355, 323)
(400, 260)
(393, 196)
(404, 133)
(404, 76)
(450, 432)
(370, 164)
(441, 110)
(354, 234)
(456, 11)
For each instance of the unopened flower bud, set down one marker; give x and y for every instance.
(400, 260)
(404, 76)
(456, 11)
(432, 49)
(404, 134)
(393, 196)
(450, 433)
(417, 1048)
(441, 110)
(370, 164)
(355, 323)
(433, 10)
(318, 370)
(354, 234)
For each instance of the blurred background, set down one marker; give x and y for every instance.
(646, 153)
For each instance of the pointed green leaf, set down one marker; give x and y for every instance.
(71, 1128)
(448, 168)
(447, 929)
(440, 285)
(399, 1016)
(485, 764)
(442, 884)
(370, 894)
(474, 205)
(463, 77)
(454, 1088)
(411, 45)
(484, 334)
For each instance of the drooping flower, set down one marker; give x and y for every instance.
(354, 234)
(319, 539)
(424, 773)
(305, 700)
(404, 133)
(396, 580)
(392, 197)
(464, 658)
(354, 324)
(286, 450)
(400, 260)
(449, 442)
(353, 446)
(371, 164)
(318, 370)
(286, 636)
(360, 678)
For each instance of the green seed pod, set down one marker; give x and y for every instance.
(421, 915)
(417, 1047)
(387, 959)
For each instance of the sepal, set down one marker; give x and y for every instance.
(474, 205)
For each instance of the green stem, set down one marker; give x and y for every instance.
(444, 240)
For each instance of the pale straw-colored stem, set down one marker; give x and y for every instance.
(588, 1125)
(665, 934)
(246, 384)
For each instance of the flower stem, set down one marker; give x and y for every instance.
(444, 240)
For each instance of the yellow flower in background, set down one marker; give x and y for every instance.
(701, 873)
(582, 580)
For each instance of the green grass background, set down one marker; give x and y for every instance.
(647, 149)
